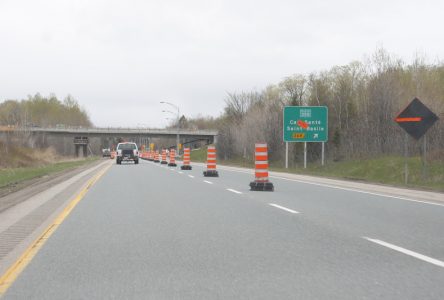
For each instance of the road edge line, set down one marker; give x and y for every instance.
(338, 187)
(12, 273)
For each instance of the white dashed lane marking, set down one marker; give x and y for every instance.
(234, 191)
(284, 208)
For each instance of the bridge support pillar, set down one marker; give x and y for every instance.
(83, 143)
(84, 150)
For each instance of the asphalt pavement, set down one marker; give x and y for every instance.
(149, 231)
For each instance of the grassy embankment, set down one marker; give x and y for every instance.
(387, 170)
(18, 175)
(18, 164)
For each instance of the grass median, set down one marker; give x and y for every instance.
(14, 176)
(388, 170)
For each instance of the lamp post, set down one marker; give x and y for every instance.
(178, 119)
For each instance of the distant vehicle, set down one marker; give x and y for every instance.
(106, 152)
(126, 152)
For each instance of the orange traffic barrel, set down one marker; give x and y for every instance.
(156, 156)
(172, 158)
(186, 159)
(261, 181)
(211, 162)
(164, 157)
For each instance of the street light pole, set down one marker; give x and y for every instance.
(177, 126)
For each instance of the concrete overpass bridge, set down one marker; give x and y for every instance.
(68, 141)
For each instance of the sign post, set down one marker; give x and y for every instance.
(415, 119)
(424, 150)
(305, 124)
(406, 156)
(286, 155)
(323, 150)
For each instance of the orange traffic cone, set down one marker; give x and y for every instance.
(164, 157)
(261, 182)
(149, 155)
(172, 158)
(186, 159)
(211, 162)
(156, 156)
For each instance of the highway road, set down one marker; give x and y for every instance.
(149, 231)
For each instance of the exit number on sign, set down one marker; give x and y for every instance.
(298, 135)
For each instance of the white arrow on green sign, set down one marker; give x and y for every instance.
(305, 123)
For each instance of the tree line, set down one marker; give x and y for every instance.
(39, 111)
(362, 97)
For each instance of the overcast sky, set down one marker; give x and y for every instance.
(119, 59)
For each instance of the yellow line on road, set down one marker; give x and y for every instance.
(7, 279)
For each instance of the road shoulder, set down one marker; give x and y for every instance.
(21, 224)
(421, 195)
(24, 190)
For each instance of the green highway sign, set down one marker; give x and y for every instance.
(305, 124)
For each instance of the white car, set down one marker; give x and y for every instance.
(127, 152)
(106, 152)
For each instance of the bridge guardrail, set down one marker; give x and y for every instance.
(113, 130)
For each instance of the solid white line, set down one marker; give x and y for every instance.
(339, 188)
(172, 170)
(234, 191)
(180, 172)
(209, 182)
(284, 208)
(358, 191)
(408, 252)
(191, 176)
